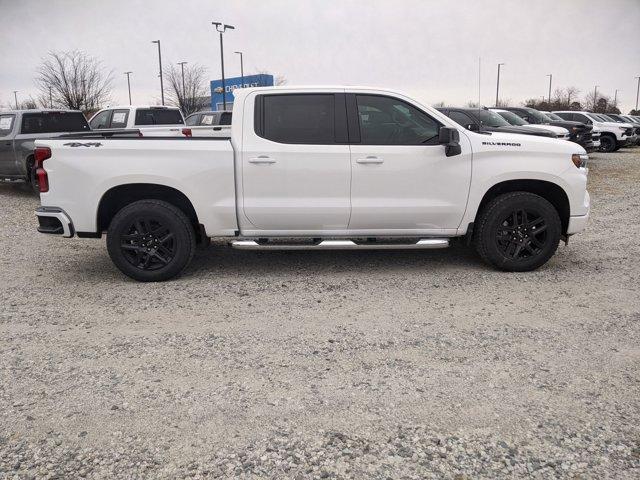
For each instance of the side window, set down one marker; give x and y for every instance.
(119, 118)
(225, 118)
(565, 116)
(207, 119)
(461, 118)
(578, 117)
(101, 120)
(297, 118)
(6, 125)
(192, 120)
(391, 121)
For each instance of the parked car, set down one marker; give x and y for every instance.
(209, 118)
(580, 132)
(614, 136)
(148, 120)
(513, 119)
(317, 168)
(483, 119)
(20, 128)
(635, 137)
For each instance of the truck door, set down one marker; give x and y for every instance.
(7, 153)
(402, 181)
(296, 172)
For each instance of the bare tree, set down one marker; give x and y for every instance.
(601, 104)
(504, 102)
(280, 80)
(192, 95)
(73, 80)
(439, 104)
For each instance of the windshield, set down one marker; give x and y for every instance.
(158, 116)
(491, 119)
(512, 118)
(54, 122)
(539, 117)
(553, 116)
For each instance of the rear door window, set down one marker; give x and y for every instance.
(158, 116)
(299, 119)
(6, 124)
(207, 119)
(192, 120)
(119, 118)
(225, 118)
(53, 122)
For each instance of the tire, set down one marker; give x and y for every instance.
(517, 232)
(31, 176)
(151, 241)
(608, 143)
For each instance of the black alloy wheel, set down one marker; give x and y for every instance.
(607, 144)
(517, 231)
(151, 240)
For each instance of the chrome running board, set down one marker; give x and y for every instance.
(424, 244)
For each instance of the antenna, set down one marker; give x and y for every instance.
(479, 87)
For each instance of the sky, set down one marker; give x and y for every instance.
(428, 49)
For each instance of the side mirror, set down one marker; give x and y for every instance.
(450, 138)
(474, 127)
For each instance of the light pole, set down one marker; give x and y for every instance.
(550, 78)
(615, 99)
(184, 90)
(221, 28)
(15, 95)
(595, 97)
(637, 94)
(50, 97)
(129, 85)
(241, 68)
(160, 63)
(498, 83)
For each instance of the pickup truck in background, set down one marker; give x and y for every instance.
(148, 120)
(483, 119)
(208, 124)
(561, 132)
(613, 136)
(316, 168)
(19, 129)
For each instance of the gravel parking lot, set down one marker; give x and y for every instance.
(324, 364)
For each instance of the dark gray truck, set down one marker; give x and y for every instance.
(20, 128)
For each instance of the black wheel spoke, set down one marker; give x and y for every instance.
(522, 234)
(148, 244)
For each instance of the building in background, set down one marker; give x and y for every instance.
(261, 80)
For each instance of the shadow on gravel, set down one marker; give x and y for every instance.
(16, 189)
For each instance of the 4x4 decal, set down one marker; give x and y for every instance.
(78, 144)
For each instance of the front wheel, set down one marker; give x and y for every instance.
(151, 241)
(608, 143)
(517, 232)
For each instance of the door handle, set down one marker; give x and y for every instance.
(370, 159)
(262, 159)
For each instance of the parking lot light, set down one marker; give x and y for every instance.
(160, 63)
(221, 28)
(241, 69)
(498, 83)
(15, 95)
(550, 79)
(129, 85)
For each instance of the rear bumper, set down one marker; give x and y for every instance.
(54, 221)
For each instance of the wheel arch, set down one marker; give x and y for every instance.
(118, 197)
(552, 192)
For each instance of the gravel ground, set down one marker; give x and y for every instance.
(324, 364)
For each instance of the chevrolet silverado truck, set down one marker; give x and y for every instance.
(614, 136)
(19, 130)
(147, 120)
(316, 168)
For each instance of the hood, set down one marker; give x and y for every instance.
(552, 128)
(524, 130)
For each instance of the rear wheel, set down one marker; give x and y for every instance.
(607, 143)
(32, 180)
(151, 241)
(518, 232)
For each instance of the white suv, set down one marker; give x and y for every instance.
(614, 135)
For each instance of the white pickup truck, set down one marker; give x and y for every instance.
(147, 120)
(316, 168)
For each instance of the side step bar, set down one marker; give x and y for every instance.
(426, 243)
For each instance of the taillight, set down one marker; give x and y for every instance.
(41, 154)
(187, 132)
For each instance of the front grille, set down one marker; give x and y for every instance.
(628, 131)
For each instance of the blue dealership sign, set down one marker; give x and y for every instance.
(261, 80)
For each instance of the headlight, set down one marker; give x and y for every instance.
(622, 128)
(580, 159)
